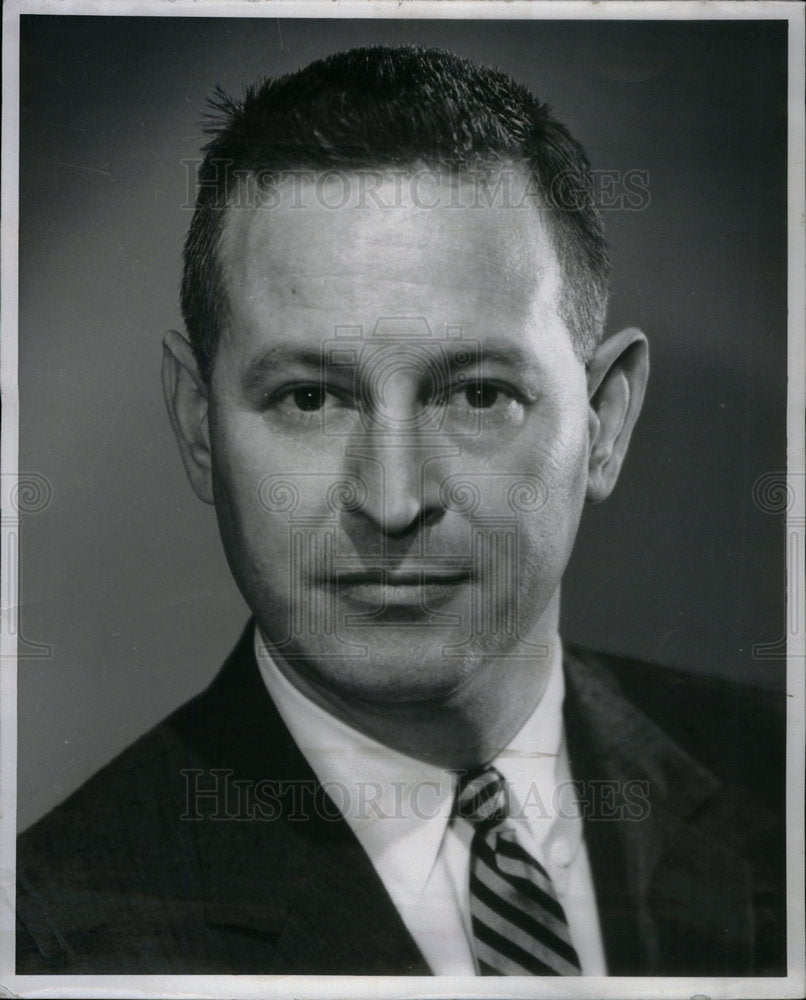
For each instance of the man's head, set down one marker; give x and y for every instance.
(404, 406)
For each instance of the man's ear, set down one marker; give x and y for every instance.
(617, 377)
(186, 399)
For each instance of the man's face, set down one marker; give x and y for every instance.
(399, 434)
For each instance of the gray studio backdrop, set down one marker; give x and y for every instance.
(123, 578)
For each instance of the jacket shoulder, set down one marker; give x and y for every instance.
(734, 729)
(111, 862)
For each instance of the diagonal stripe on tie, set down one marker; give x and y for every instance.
(519, 926)
(480, 797)
(539, 946)
(505, 957)
(552, 934)
(538, 893)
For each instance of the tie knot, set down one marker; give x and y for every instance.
(481, 797)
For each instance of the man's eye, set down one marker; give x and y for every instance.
(481, 404)
(309, 398)
(480, 395)
(475, 395)
(310, 403)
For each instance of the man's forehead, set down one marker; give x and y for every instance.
(480, 221)
(299, 264)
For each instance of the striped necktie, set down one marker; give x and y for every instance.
(519, 927)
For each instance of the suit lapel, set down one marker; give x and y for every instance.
(281, 865)
(673, 898)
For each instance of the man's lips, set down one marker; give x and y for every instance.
(402, 576)
(404, 586)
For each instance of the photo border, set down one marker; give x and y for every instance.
(793, 485)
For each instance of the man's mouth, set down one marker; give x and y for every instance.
(423, 586)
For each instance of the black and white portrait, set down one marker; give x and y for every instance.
(397, 507)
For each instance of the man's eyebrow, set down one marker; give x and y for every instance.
(513, 357)
(500, 355)
(278, 356)
(315, 359)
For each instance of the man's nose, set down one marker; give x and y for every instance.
(399, 476)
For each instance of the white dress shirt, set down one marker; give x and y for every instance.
(399, 808)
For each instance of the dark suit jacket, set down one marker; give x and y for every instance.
(132, 875)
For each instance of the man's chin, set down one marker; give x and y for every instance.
(396, 670)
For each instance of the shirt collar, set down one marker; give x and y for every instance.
(529, 763)
(542, 800)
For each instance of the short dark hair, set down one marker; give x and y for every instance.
(394, 107)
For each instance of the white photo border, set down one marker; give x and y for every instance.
(329, 988)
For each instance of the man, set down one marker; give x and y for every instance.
(395, 390)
